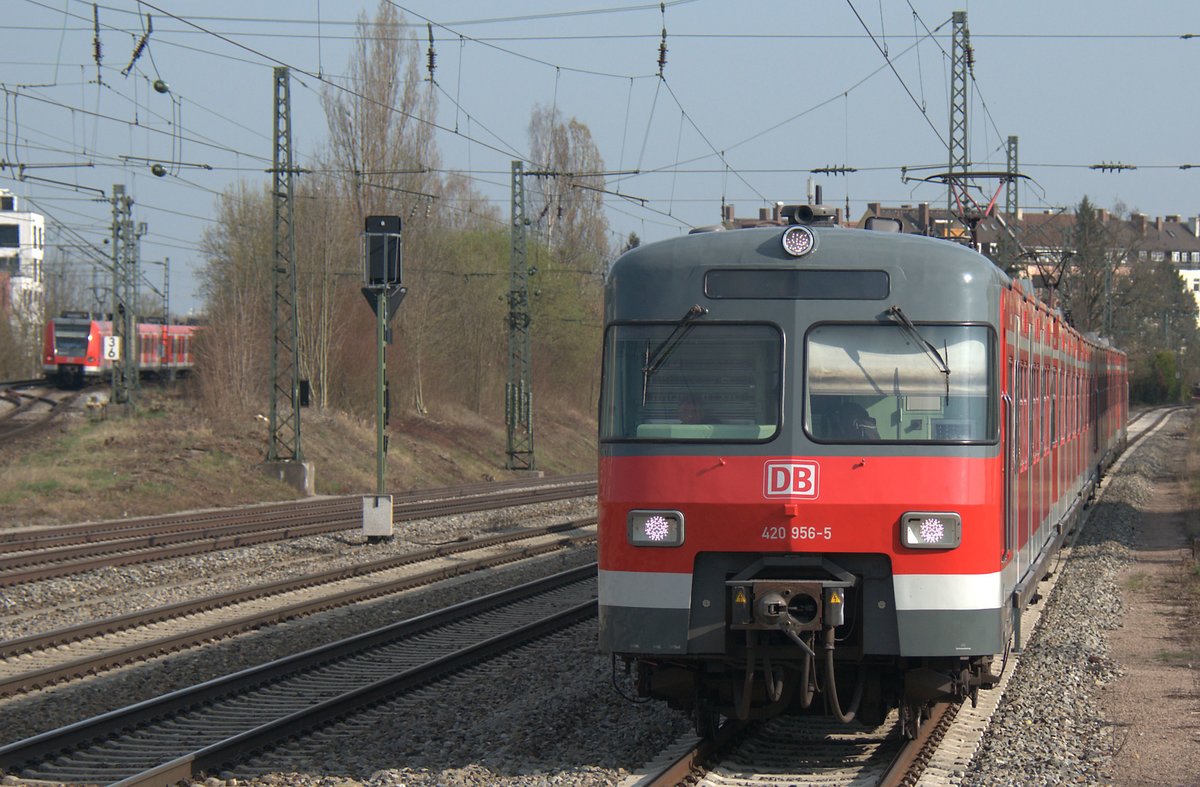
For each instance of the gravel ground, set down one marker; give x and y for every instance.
(1050, 727)
(548, 714)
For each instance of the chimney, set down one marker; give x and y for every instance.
(1102, 214)
(1158, 224)
(777, 212)
(1139, 222)
(764, 214)
(923, 217)
(1173, 219)
(727, 213)
(1196, 226)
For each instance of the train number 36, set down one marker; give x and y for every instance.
(796, 533)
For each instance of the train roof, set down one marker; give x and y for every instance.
(834, 246)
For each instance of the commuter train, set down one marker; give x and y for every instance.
(833, 466)
(75, 352)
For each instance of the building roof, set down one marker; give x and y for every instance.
(1051, 230)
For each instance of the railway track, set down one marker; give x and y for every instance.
(799, 750)
(73, 549)
(817, 751)
(31, 410)
(206, 727)
(45, 659)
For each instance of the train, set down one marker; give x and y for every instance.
(834, 464)
(76, 349)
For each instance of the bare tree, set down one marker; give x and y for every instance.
(233, 350)
(567, 202)
(327, 281)
(381, 138)
(571, 255)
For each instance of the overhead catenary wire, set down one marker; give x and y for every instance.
(676, 171)
(891, 65)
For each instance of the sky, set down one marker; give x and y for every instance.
(752, 97)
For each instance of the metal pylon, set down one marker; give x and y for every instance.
(1009, 249)
(518, 399)
(285, 360)
(960, 66)
(124, 324)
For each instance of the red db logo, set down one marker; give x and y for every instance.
(790, 479)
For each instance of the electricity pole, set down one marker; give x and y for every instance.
(960, 65)
(121, 351)
(1009, 250)
(518, 399)
(284, 453)
(285, 416)
(167, 316)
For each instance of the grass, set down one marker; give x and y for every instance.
(1177, 658)
(1137, 582)
(164, 459)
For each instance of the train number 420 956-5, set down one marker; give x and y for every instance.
(796, 533)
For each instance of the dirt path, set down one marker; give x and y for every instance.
(1155, 705)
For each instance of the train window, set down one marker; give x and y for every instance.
(71, 339)
(804, 284)
(711, 382)
(875, 383)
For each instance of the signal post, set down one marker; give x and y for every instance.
(384, 290)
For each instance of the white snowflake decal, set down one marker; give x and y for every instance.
(657, 528)
(932, 530)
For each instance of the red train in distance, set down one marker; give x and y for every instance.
(73, 351)
(834, 464)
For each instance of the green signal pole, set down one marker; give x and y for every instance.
(381, 314)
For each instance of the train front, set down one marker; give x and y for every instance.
(72, 348)
(800, 472)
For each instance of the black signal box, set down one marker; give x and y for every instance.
(384, 266)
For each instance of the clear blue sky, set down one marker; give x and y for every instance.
(755, 95)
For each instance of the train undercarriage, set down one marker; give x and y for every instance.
(796, 647)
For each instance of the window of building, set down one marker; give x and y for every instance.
(10, 236)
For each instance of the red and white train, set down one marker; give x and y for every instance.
(75, 351)
(833, 465)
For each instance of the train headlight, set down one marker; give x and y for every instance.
(798, 240)
(930, 530)
(655, 528)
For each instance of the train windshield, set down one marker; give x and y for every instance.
(879, 383)
(698, 382)
(71, 339)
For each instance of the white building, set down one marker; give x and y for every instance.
(22, 254)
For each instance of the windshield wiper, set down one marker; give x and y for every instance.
(667, 346)
(929, 349)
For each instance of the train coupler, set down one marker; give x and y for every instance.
(788, 606)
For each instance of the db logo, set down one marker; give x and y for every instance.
(790, 479)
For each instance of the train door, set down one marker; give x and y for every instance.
(1012, 452)
(1027, 478)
